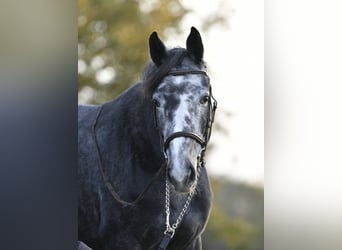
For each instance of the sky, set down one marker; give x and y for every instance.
(235, 59)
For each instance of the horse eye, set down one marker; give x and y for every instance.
(156, 102)
(205, 99)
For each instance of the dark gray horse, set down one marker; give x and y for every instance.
(142, 179)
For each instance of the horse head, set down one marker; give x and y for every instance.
(184, 107)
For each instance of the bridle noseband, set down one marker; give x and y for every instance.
(202, 140)
(193, 136)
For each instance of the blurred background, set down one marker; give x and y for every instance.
(303, 136)
(113, 50)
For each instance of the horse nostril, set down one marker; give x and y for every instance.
(182, 178)
(191, 174)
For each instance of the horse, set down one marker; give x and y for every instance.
(143, 183)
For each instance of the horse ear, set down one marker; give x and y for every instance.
(157, 49)
(194, 45)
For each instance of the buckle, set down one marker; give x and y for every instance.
(170, 231)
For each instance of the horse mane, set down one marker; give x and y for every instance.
(153, 75)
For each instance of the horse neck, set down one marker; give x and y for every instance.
(136, 117)
(143, 120)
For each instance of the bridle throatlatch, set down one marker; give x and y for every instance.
(201, 140)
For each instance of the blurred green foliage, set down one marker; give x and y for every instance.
(112, 52)
(237, 217)
(113, 42)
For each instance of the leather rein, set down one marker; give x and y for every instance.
(202, 140)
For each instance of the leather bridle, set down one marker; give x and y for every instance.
(202, 140)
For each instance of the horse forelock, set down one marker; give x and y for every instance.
(153, 75)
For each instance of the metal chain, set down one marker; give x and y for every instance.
(172, 229)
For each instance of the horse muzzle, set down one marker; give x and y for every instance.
(182, 177)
